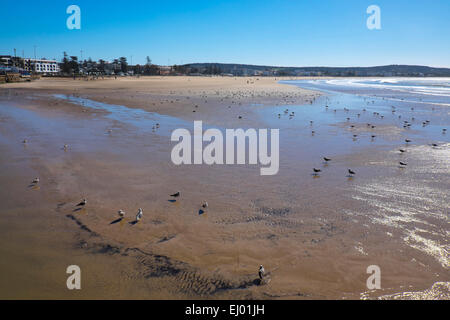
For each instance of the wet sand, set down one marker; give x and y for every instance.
(314, 235)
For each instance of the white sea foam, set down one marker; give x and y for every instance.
(420, 86)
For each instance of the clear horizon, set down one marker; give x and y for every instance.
(286, 33)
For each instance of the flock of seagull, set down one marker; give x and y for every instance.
(121, 212)
(406, 125)
(261, 272)
(316, 171)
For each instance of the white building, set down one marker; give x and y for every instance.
(42, 66)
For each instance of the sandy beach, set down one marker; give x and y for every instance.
(315, 235)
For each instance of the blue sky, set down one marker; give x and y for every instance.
(284, 33)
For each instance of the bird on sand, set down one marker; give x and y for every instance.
(139, 214)
(82, 203)
(261, 272)
(175, 195)
(403, 164)
(121, 213)
(407, 140)
(316, 171)
(434, 144)
(402, 150)
(351, 172)
(35, 181)
(326, 159)
(24, 141)
(205, 205)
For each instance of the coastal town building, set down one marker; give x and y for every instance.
(6, 60)
(42, 66)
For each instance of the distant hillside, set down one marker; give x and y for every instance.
(253, 70)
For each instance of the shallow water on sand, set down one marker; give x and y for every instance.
(315, 233)
(143, 120)
(414, 199)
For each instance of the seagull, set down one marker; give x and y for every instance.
(434, 144)
(403, 163)
(82, 203)
(35, 181)
(407, 140)
(351, 172)
(139, 215)
(205, 205)
(121, 213)
(24, 141)
(177, 194)
(316, 171)
(65, 147)
(402, 150)
(326, 159)
(261, 272)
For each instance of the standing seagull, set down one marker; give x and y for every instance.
(205, 205)
(261, 272)
(351, 172)
(316, 171)
(326, 159)
(139, 214)
(35, 181)
(121, 213)
(82, 203)
(175, 195)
